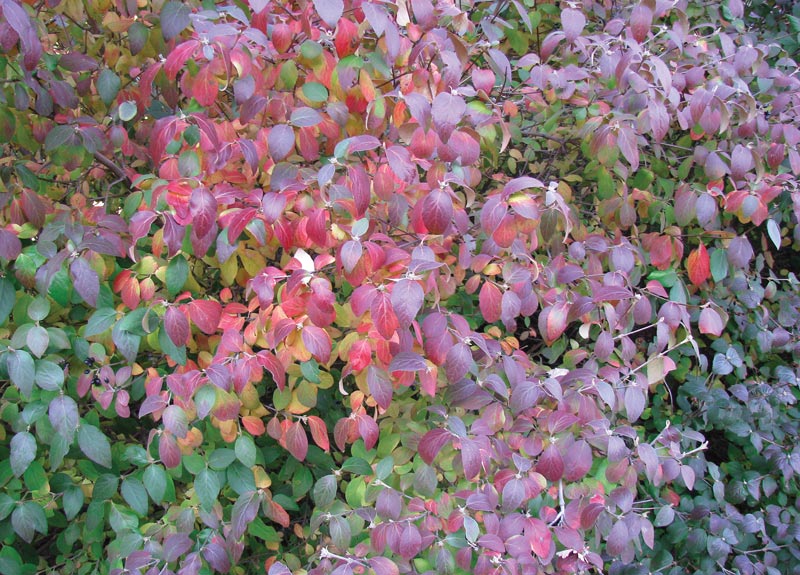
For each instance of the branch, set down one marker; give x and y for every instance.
(111, 165)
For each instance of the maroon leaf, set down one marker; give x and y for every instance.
(383, 315)
(408, 361)
(641, 21)
(217, 557)
(432, 442)
(297, 441)
(177, 326)
(168, 450)
(380, 386)
(10, 246)
(368, 430)
(203, 208)
(550, 463)
(577, 461)
(437, 211)
(85, 280)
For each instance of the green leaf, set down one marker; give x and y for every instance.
(7, 299)
(245, 449)
(39, 308)
(28, 519)
(206, 485)
(177, 274)
(58, 136)
(100, 321)
(357, 466)
(315, 92)
(135, 495)
(23, 452)
(155, 481)
(340, 532)
(108, 85)
(127, 343)
(64, 417)
(21, 370)
(105, 487)
(221, 458)
(174, 18)
(49, 376)
(38, 339)
(177, 354)
(127, 111)
(73, 501)
(325, 490)
(94, 444)
(719, 265)
(258, 528)
(7, 505)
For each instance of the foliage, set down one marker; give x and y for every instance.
(424, 287)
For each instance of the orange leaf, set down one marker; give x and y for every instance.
(699, 265)
(254, 425)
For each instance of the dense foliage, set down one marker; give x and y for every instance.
(420, 286)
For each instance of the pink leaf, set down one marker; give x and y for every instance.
(641, 20)
(318, 342)
(400, 162)
(437, 211)
(368, 430)
(383, 315)
(383, 566)
(540, 537)
(550, 463)
(490, 302)
(711, 322)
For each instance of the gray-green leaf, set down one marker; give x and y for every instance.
(94, 444)
(23, 452)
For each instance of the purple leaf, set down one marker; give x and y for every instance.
(407, 361)
(432, 442)
(329, 10)
(351, 254)
(407, 298)
(305, 117)
(85, 280)
(203, 208)
(380, 386)
(176, 545)
(10, 246)
(400, 162)
(572, 21)
(174, 18)
(280, 141)
(447, 112)
(176, 421)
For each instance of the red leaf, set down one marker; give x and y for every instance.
(432, 442)
(540, 537)
(296, 441)
(205, 314)
(577, 461)
(319, 432)
(437, 211)
(380, 386)
(711, 322)
(699, 265)
(359, 185)
(177, 326)
(553, 321)
(318, 342)
(254, 425)
(490, 300)
(203, 208)
(407, 297)
(383, 315)
(550, 463)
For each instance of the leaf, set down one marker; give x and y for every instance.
(10, 245)
(318, 342)
(553, 321)
(205, 314)
(29, 519)
(64, 417)
(400, 162)
(94, 444)
(489, 301)
(245, 449)
(325, 491)
(85, 280)
(174, 18)
(710, 322)
(108, 85)
(319, 432)
(135, 495)
(698, 265)
(176, 545)
(21, 370)
(22, 452)
(408, 361)
(176, 275)
(383, 315)
(176, 421)
(432, 442)
(383, 566)
(155, 482)
(572, 21)
(329, 10)
(774, 232)
(641, 21)
(244, 511)
(207, 487)
(447, 111)
(350, 255)
(297, 441)
(305, 117)
(437, 211)
(406, 299)
(177, 326)
(203, 208)
(340, 532)
(380, 386)
(38, 340)
(280, 141)
(100, 321)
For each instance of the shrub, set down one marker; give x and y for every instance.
(419, 287)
